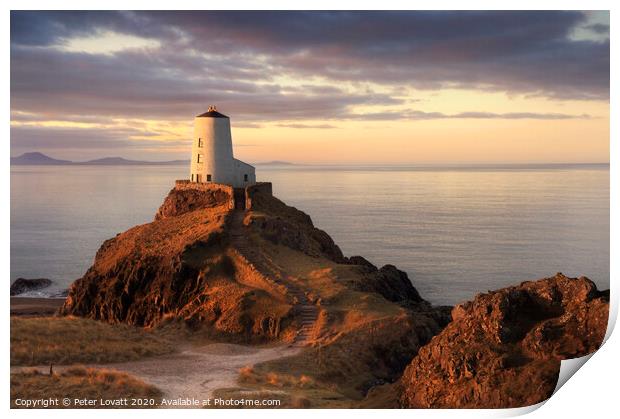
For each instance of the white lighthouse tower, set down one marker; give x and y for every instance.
(212, 153)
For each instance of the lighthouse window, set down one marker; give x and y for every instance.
(199, 159)
(200, 142)
(245, 178)
(208, 178)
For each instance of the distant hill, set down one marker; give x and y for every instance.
(36, 158)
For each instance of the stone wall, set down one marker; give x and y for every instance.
(250, 191)
(185, 184)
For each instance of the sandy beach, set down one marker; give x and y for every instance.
(23, 306)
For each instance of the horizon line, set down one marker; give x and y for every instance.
(287, 162)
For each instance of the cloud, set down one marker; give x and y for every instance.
(36, 138)
(307, 126)
(517, 115)
(131, 84)
(247, 125)
(416, 115)
(294, 69)
(518, 51)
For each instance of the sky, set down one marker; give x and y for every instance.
(315, 87)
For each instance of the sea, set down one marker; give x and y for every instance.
(456, 230)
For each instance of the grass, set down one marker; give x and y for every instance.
(73, 340)
(335, 375)
(78, 382)
(293, 390)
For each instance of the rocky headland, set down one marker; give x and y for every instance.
(242, 266)
(504, 348)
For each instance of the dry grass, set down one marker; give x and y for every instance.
(293, 388)
(73, 340)
(247, 375)
(81, 383)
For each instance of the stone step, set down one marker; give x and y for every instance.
(306, 312)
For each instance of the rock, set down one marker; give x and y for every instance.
(361, 261)
(185, 265)
(179, 267)
(504, 348)
(290, 227)
(393, 284)
(183, 199)
(22, 285)
(208, 265)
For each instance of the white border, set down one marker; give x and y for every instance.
(592, 393)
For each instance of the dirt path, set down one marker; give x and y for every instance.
(196, 371)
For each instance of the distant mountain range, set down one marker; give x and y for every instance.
(37, 158)
(40, 159)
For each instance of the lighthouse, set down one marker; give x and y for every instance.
(212, 153)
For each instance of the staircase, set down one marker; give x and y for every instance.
(305, 310)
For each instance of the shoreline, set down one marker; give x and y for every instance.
(35, 306)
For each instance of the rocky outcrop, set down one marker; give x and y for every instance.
(204, 262)
(504, 348)
(179, 267)
(183, 199)
(290, 227)
(22, 285)
(393, 284)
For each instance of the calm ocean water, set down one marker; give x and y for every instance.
(455, 230)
